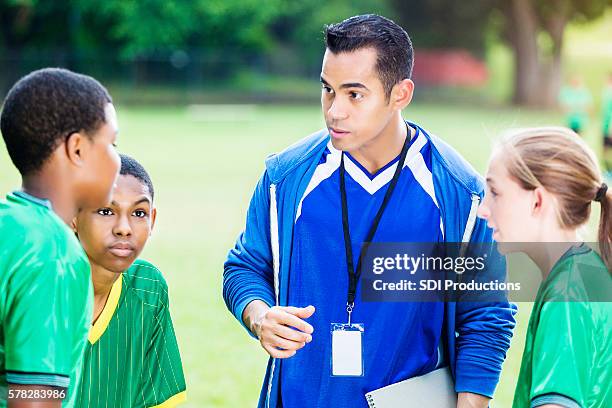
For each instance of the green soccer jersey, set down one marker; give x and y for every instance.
(577, 101)
(45, 297)
(568, 350)
(606, 104)
(132, 358)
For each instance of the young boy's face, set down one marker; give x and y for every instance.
(114, 236)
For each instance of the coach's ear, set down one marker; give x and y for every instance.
(153, 217)
(401, 94)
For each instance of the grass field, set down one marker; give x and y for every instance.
(204, 168)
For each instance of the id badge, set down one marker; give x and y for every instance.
(347, 350)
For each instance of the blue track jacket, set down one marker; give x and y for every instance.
(477, 334)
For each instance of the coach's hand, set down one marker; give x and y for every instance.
(281, 330)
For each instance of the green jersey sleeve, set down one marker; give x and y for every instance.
(563, 344)
(163, 380)
(40, 325)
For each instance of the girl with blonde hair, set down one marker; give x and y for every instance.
(541, 186)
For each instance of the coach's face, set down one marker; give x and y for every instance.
(353, 98)
(114, 236)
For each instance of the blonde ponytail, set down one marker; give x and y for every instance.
(605, 224)
(558, 160)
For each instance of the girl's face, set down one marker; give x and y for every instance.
(507, 207)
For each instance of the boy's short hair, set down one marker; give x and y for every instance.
(130, 167)
(393, 46)
(43, 108)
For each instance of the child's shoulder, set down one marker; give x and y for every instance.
(580, 276)
(146, 281)
(36, 232)
(19, 215)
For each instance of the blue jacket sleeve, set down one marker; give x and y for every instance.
(484, 331)
(248, 271)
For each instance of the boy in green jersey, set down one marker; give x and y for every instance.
(132, 357)
(541, 186)
(59, 128)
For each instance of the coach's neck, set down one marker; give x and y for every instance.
(385, 147)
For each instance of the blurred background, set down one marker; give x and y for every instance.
(205, 89)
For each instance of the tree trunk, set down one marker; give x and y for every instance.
(538, 75)
(555, 26)
(523, 29)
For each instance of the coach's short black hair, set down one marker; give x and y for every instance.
(391, 42)
(130, 167)
(43, 108)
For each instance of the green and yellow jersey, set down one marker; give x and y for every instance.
(45, 297)
(568, 350)
(132, 357)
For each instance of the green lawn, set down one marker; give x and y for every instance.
(204, 168)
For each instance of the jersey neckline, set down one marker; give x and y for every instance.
(372, 176)
(32, 199)
(99, 327)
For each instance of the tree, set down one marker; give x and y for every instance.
(445, 23)
(535, 29)
(300, 23)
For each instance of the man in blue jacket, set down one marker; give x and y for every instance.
(369, 176)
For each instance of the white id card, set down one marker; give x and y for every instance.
(347, 350)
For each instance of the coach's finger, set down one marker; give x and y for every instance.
(305, 312)
(301, 312)
(293, 321)
(276, 353)
(291, 334)
(279, 342)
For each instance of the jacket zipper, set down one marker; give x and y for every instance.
(471, 221)
(274, 242)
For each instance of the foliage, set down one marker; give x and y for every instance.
(446, 23)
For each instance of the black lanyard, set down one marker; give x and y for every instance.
(353, 274)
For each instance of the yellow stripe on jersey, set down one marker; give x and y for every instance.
(173, 401)
(99, 327)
